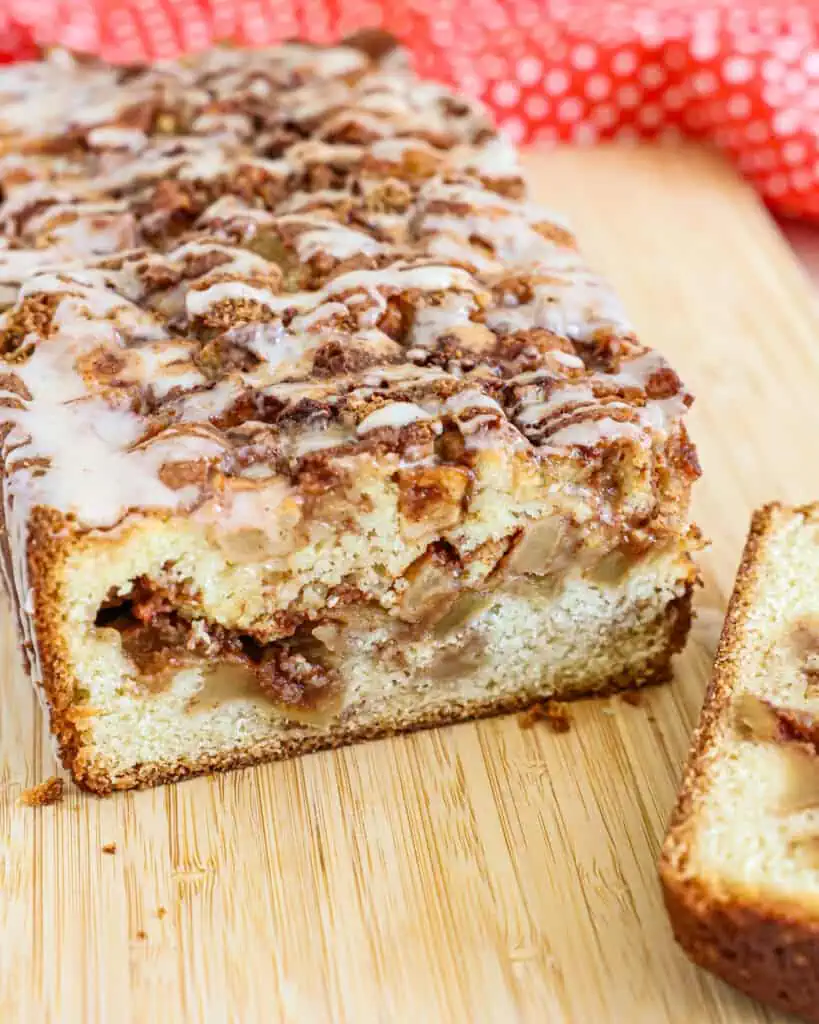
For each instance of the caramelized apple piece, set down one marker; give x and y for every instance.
(433, 586)
(537, 548)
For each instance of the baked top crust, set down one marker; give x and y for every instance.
(243, 267)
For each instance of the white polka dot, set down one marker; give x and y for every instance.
(649, 115)
(597, 87)
(584, 134)
(629, 96)
(720, 137)
(626, 133)
(695, 119)
(441, 33)
(649, 27)
(748, 162)
(513, 128)
(569, 110)
(795, 82)
(494, 17)
(767, 159)
(738, 105)
(670, 133)
(471, 83)
(793, 152)
(584, 57)
(652, 76)
(772, 70)
(675, 26)
(704, 45)
(738, 20)
(604, 115)
(748, 43)
(737, 69)
(676, 56)
(785, 122)
(704, 82)
(776, 184)
(556, 82)
(491, 65)
(624, 63)
(788, 47)
(767, 21)
(528, 15)
(810, 64)
(774, 95)
(674, 98)
(536, 107)
(506, 94)
(801, 179)
(548, 133)
(757, 131)
(529, 70)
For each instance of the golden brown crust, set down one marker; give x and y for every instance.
(767, 950)
(764, 951)
(48, 545)
(725, 667)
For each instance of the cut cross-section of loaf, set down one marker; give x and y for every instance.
(740, 865)
(316, 427)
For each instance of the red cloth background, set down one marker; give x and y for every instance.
(743, 74)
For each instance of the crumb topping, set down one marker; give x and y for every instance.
(306, 242)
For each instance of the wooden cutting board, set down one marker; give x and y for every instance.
(479, 873)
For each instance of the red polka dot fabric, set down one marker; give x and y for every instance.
(740, 74)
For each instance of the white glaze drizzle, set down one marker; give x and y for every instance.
(74, 418)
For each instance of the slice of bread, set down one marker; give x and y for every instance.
(740, 864)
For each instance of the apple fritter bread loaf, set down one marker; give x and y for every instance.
(316, 428)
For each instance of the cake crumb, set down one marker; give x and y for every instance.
(553, 712)
(632, 697)
(161, 912)
(141, 934)
(109, 848)
(45, 793)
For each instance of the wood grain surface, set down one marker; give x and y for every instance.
(477, 873)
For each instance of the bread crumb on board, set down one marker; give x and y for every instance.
(554, 713)
(142, 934)
(161, 912)
(109, 847)
(632, 697)
(44, 793)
